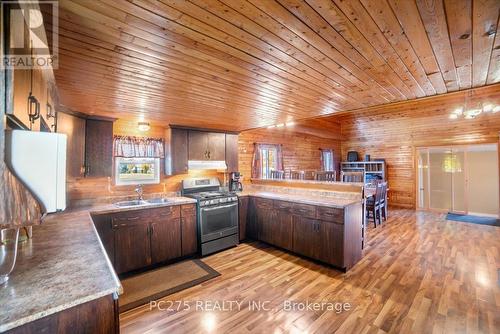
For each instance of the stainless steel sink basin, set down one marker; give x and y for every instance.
(158, 200)
(123, 204)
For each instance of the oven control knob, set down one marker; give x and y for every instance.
(203, 203)
(234, 198)
(213, 202)
(223, 200)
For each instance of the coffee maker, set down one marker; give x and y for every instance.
(234, 181)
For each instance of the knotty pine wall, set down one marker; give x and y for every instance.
(300, 151)
(392, 132)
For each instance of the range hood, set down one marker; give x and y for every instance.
(202, 164)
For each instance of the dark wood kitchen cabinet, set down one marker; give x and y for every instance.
(331, 235)
(98, 148)
(264, 216)
(205, 146)
(189, 230)
(132, 243)
(165, 233)
(283, 236)
(74, 128)
(165, 240)
(232, 152)
(140, 238)
(306, 237)
(176, 148)
(198, 145)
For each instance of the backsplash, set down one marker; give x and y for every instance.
(88, 191)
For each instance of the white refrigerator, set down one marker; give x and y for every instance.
(38, 159)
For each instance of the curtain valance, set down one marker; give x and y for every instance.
(138, 147)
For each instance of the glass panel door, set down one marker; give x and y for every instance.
(423, 178)
(440, 179)
(458, 173)
(482, 170)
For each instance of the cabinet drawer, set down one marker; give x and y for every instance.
(262, 203)
(128, 218)
(331, 214)
(188, 210)
(304, 210)
(283, 206)
(169, 212)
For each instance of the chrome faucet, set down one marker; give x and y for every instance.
(139, 191)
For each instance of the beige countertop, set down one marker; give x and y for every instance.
(62, 266)
(305, 198)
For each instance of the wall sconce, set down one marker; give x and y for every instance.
(143, 126)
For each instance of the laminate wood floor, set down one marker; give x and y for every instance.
(420, 274)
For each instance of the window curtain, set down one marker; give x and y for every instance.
(257, 158)
(257, 161)
(138, 147)
(279, 157)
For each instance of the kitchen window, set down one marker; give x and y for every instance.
(137, 170)
(266, 158)
(137, 160)
(269, 161)
(327, 160)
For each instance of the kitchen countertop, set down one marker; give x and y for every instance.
(332, 202)
(62, 266)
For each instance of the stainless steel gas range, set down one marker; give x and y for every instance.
(217, 214)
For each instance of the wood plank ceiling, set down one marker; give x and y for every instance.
(235, 64)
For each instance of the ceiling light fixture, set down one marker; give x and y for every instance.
(471, 110)
(290, 124)
(143, 126)
(280, 125)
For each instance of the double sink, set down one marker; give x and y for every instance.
(132, 203)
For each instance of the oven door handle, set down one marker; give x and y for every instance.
(220, 207)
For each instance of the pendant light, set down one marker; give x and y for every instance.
(471, 109)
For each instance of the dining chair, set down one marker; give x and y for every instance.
(383, 201)
(297, 175)
(330, 176)
(373, 205)
(277, 174)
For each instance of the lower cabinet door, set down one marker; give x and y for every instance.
(332, 247)
(266, 224)
(283, 232)
(189, 235)
(132, 247)
(306, 238)
(165, 240)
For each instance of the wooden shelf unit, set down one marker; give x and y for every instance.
(370, 169)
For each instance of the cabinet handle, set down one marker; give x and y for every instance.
(152, 230)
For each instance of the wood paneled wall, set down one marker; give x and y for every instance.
(392, 132)
(300, 151)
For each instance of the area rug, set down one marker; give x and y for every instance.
(473, 219)
(152, 285)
